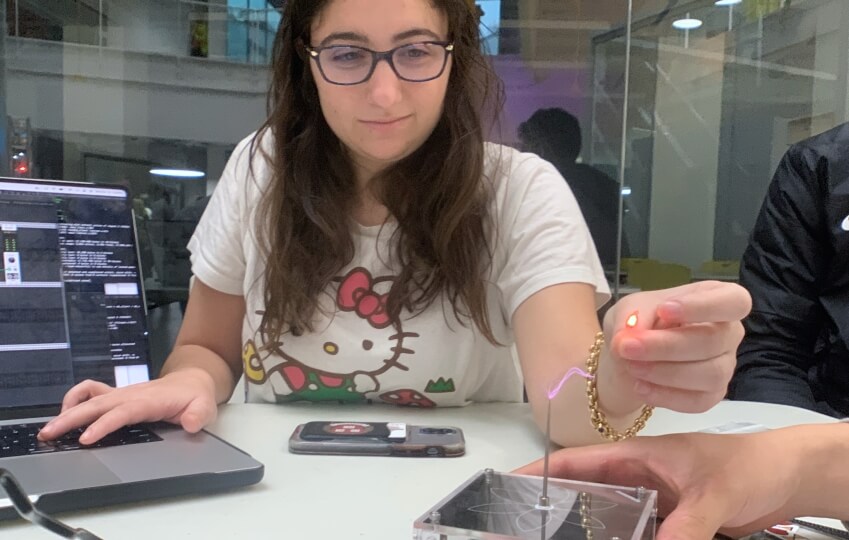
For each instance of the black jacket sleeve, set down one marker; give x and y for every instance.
(781, 268)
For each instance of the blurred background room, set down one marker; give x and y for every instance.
(666, 117)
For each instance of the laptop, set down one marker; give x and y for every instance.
(72, 307)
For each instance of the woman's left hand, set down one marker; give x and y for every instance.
(682, 351)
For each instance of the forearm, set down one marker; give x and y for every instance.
(185, 357)
(550, 343)
(570, 411)
(824, 478)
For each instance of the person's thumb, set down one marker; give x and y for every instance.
(197, 414)
(691, 521)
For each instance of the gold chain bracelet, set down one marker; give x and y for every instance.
(597, 417)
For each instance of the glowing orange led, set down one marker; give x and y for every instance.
(632, 320)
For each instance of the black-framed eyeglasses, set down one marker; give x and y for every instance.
(414, 62)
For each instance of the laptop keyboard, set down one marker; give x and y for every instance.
(20, 440)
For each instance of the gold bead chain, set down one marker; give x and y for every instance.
(597, 416)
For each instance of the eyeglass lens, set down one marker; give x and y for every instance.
(350, 65)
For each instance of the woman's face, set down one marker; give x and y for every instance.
(383, 119)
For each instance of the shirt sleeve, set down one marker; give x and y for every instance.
(781, 269)
(217, 245)
(543, 238)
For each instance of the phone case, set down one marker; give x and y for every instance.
(377, 439)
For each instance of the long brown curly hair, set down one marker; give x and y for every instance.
(437, 194)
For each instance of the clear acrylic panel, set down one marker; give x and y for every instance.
(499, 506)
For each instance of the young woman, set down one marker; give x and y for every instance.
(367, 245)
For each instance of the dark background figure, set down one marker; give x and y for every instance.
(177, 267)
(555, 135)
(194, 210)
(164, 201)
(140, 213)
(176, 244)
(796, 267)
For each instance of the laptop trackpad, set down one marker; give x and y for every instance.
(49, 473)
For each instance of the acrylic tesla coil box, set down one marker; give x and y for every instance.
(499, 506)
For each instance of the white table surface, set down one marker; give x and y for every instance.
(343, 497)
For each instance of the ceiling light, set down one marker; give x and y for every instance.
(728, 2)
(687, 24)
(177, 173)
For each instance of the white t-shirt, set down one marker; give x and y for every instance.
(354, 355)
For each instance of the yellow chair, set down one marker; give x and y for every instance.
(629, 265)
(651, 277)
(720, 268)
(632, 262)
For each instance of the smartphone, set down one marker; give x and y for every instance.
(377, 439)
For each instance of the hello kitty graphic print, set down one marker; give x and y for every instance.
(351, 354)
(345, 362)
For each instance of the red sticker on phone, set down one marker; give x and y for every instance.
(348, 428)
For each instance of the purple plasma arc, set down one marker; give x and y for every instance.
(572, 371)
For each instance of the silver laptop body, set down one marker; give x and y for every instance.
(72, 307)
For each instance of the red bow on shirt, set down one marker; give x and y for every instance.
(355, 294)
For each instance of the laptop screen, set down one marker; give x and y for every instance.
(71, 302)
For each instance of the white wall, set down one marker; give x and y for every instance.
(686, 145)
(798, 91)
(706, 190)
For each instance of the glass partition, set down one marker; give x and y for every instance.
(565, 102)
(720, 89)
(715, 91)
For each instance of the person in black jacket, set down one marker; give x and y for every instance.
(796, 268)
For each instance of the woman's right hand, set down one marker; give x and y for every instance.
(185, 397)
